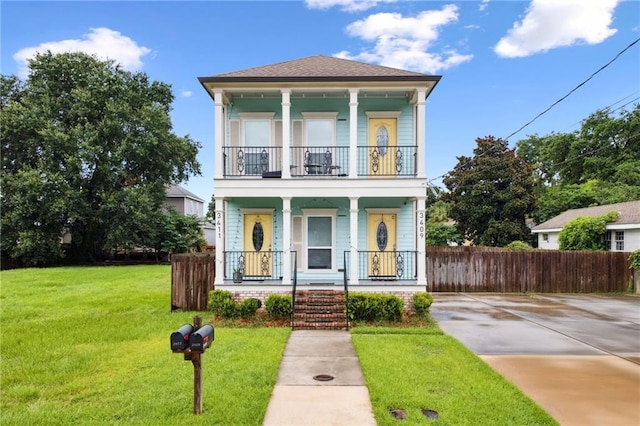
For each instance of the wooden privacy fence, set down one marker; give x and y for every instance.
(543, 271)
(192, 277)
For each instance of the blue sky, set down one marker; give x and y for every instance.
(502, 62)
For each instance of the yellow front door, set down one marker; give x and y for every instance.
(382, 147)
(381, 245)
(258, 231)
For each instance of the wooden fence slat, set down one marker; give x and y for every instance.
(192, 278)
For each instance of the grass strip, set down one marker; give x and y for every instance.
(417, 369)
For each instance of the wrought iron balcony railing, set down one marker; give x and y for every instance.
(252, 161)
(387, 161)
(385, 265)
(319, 160)
(253, 265)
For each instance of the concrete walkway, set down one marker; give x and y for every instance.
(577, 356)
(299, 399)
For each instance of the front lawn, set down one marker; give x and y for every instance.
(90, 345)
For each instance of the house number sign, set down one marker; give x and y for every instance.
(421, 225)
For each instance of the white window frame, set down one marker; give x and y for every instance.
(620, 240)
(247, 117)
(330, 117)
(306, 214)
(545, 237)
(607, 240)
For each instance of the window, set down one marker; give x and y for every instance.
(545, 238)
(607, 240)
(320, 237)
(620, 240)
(320, 136)
(256, 142)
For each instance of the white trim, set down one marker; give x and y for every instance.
(383, 114)
(312, 115)
(614, 227)
(250, 115)
(257, 211)
(381, 211)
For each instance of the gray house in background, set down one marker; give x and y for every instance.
(621, 235)
(189, 204)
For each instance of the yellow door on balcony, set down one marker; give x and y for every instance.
(382, 147)
(258, 233)
(381, 245)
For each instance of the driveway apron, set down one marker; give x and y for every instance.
(577, 356)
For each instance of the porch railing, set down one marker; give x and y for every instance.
(253, 265)
(385, 266)
(319, 161)
(387, 160)
(261, 161)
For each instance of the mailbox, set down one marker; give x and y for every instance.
(201, 339)
(180, 338)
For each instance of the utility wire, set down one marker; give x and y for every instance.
(575, 88)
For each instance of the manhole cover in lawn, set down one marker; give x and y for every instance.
(430, 414)
(399, 413)
(323, 377)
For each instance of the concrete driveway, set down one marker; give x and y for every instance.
(577, 356)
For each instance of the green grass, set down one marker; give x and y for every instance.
(90, 345)
(422, 368)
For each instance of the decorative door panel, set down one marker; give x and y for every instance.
(383, 149)
(381, 245)
(258, 234)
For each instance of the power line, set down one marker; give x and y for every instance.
(575, 88)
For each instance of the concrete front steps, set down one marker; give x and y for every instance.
(320, 310)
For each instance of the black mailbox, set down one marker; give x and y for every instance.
(180, 338)
(201, 339)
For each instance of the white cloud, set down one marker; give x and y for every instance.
(483, 5)
(102, 42)
(345, 5)
(186, 93)
(549, 24)
(403, 42)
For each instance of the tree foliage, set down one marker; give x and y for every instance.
(596, 165)
(585, 232)
(491, 194)
(87, 148)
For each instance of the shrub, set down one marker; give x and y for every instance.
(374, 307)
(248, 307)
(421, 304)
(278, 306)
(585, 232)
(635, 260)
(518, 246)
(222, 304)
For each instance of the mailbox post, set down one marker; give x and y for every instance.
(193, 341)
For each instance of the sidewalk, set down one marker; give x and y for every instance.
(340, 399)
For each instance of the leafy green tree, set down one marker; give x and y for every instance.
(439, 231)
(177, 233)
(491, 194)
(585, 232)
(88, 149)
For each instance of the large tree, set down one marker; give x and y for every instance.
(87, 150)
(491, 194)
(598, 164)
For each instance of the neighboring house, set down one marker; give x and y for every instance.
(621, 235)
(320, 176)
(189, 204)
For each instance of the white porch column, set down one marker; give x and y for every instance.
(286, 139)
(353, 237)
(286, 240)
(421, 141)
(421, 227)
(218, 139)
(220, 237)
(353, 133)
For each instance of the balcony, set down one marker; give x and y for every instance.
(320, 161)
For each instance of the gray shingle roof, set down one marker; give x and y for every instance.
(628, 213)
(320, 67)
(176, 191)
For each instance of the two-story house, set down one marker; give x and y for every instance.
(320, 176)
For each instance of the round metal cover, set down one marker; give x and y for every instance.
(323, 377)
(382, 236)
(430, 414)
(258, 236)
